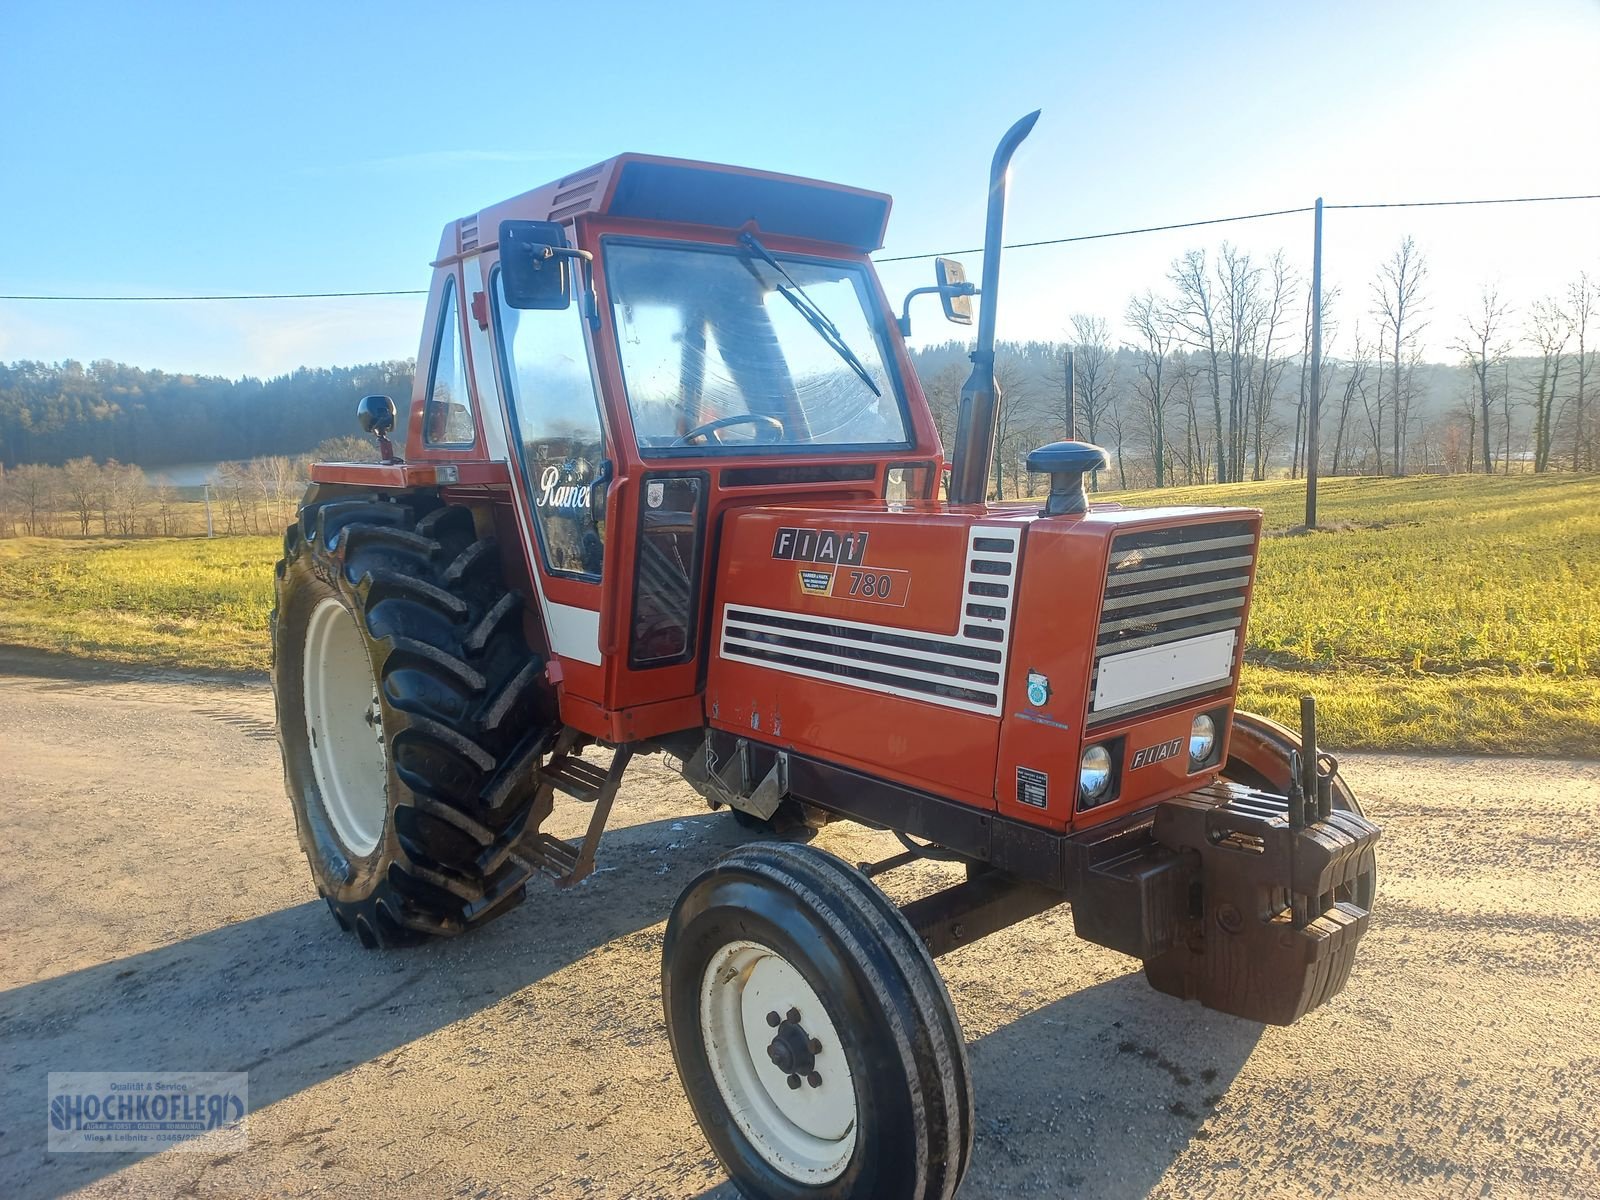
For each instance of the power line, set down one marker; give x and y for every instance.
(1094, 237)
(1462, 203)
(1060, 241)
(1278, 212)
(242, 296)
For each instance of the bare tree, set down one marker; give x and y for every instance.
(1186, 374)
(1355, 387)
(80, 483)
(1014, 421)
(1505, 402)
(1485, 348)
(230, 485)
(1151, 319)
(32, 494)
(1095, 374)
(1195, 312)
(1397, 302)
(165, 498)
(1583, 296)
(1272, 310)
(1549, 334)
(1302, 415)
(126, 491)
(1458, 447)
(1239, 295)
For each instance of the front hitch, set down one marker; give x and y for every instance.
(1274, 921)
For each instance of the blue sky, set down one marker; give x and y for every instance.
(316, 147)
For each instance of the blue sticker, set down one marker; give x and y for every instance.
(1038, 689)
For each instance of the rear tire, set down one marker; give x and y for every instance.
(408, 810)
(883, 1107)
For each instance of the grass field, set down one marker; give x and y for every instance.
(171, 602)
(1437, 613)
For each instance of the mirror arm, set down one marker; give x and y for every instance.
(566, 252)
(587, 258)
(904, 320)
(905, 309)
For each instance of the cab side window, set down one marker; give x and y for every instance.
(556, 414)
(448, 419)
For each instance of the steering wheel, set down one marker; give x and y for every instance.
(712, 429)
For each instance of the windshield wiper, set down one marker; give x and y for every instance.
(814, 316)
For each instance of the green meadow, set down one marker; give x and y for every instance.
(1439, 613)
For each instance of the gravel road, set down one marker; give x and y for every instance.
(158, 915)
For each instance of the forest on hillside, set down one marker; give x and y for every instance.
(53, 412)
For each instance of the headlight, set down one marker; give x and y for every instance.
(1202, 739)
(1094, 773)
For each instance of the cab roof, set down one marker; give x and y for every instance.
(680, 191)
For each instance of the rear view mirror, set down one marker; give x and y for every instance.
(533, 264)
(955, 293)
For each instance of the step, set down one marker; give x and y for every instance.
(551, 855)
(574, 776)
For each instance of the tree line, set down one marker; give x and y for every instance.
(53, 412)
(113, 499)
(1206, 380)
(1210, 380)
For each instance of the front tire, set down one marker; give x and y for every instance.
(411, 714)
(861, 1086)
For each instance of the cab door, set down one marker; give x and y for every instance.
(560, 470)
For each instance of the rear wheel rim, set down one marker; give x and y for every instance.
(344, 728)
(807, 1132)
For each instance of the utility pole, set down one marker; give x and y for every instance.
(1315, 414)
(207, 487)
(1072, 400)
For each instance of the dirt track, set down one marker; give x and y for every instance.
(158, 916)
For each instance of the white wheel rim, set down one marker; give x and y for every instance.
(344, 727)
(806, 1133)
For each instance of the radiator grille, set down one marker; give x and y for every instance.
(1169, 585)
(966, 669)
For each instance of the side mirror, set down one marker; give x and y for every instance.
(376, 414)
(533, 264)
(955, 293)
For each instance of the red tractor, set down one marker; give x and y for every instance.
(670, 485)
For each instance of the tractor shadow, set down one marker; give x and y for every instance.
(1096, 1094)
(1100, 1092)
(287, 998)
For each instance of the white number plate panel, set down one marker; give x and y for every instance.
(1156, 670)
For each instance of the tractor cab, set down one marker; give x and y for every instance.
(639, 349)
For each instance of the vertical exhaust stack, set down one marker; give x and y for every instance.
(969, 470)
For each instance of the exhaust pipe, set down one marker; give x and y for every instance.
(969, 468)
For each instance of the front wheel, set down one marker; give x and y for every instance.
(812, 1033)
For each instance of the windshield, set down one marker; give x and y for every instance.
(717, 356)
